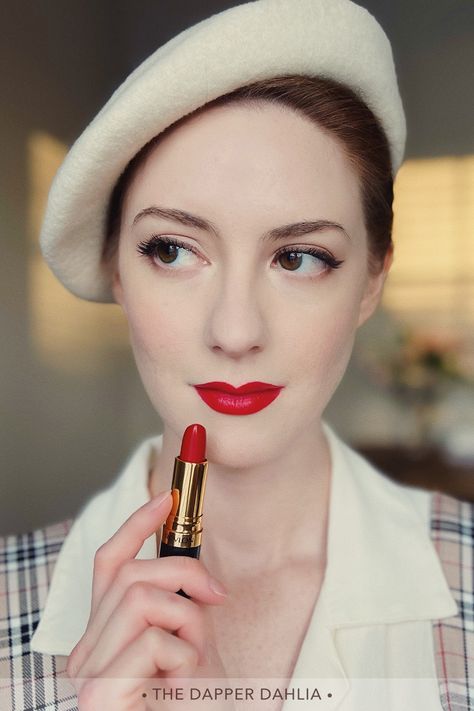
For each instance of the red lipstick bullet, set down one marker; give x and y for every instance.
(193, 444)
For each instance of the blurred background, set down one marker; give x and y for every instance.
(73, 404)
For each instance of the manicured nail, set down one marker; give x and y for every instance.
(216, 587)
(158, 500)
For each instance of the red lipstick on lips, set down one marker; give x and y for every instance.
(245, 400)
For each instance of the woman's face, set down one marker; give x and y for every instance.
(228, 307)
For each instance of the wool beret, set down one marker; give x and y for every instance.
(337, 39)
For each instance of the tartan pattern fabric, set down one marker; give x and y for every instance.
(452, 533)
(30, 681)
(35, 682)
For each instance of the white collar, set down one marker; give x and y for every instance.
(382, 566)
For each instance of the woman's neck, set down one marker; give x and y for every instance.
(257, 520)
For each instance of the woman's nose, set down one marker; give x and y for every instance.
(236, 324)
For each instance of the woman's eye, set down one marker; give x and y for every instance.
(165, 250)
(292, 259)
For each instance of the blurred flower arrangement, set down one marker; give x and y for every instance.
(418, 368)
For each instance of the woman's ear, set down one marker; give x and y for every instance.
(374, 290)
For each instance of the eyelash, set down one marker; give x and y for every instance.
(147, 248)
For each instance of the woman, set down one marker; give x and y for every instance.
(234, 197)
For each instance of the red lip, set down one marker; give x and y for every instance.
(254, 387)
(246, 400)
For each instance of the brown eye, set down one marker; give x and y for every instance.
(293, 260)
(167, 253)
(164, 250)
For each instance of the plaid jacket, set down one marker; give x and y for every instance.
(32, 682)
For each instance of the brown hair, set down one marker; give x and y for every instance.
(333, 107)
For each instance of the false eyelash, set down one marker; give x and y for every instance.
(147, 248)
(331, 261)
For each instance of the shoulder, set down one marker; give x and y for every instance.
(40, 538)
(452, 528)
(446, 506)
(452, 533)
(27, 561)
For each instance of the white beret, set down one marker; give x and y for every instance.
(256, 40)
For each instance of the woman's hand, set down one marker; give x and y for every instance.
(139, 628)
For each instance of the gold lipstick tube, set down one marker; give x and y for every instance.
(182, 530)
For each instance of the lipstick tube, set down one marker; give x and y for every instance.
(182, 530)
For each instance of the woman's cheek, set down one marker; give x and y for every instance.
(328, 348)
(162, 339)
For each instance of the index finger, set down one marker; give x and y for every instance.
(126, 543)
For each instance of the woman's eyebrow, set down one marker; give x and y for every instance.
(297, 229)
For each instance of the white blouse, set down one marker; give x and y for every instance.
(369, 643)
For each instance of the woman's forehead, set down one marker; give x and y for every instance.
(256, 156)
(247, 131)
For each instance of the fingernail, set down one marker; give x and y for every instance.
(216, 587)
(157, 500)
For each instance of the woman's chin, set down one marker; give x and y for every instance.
(240, 453)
